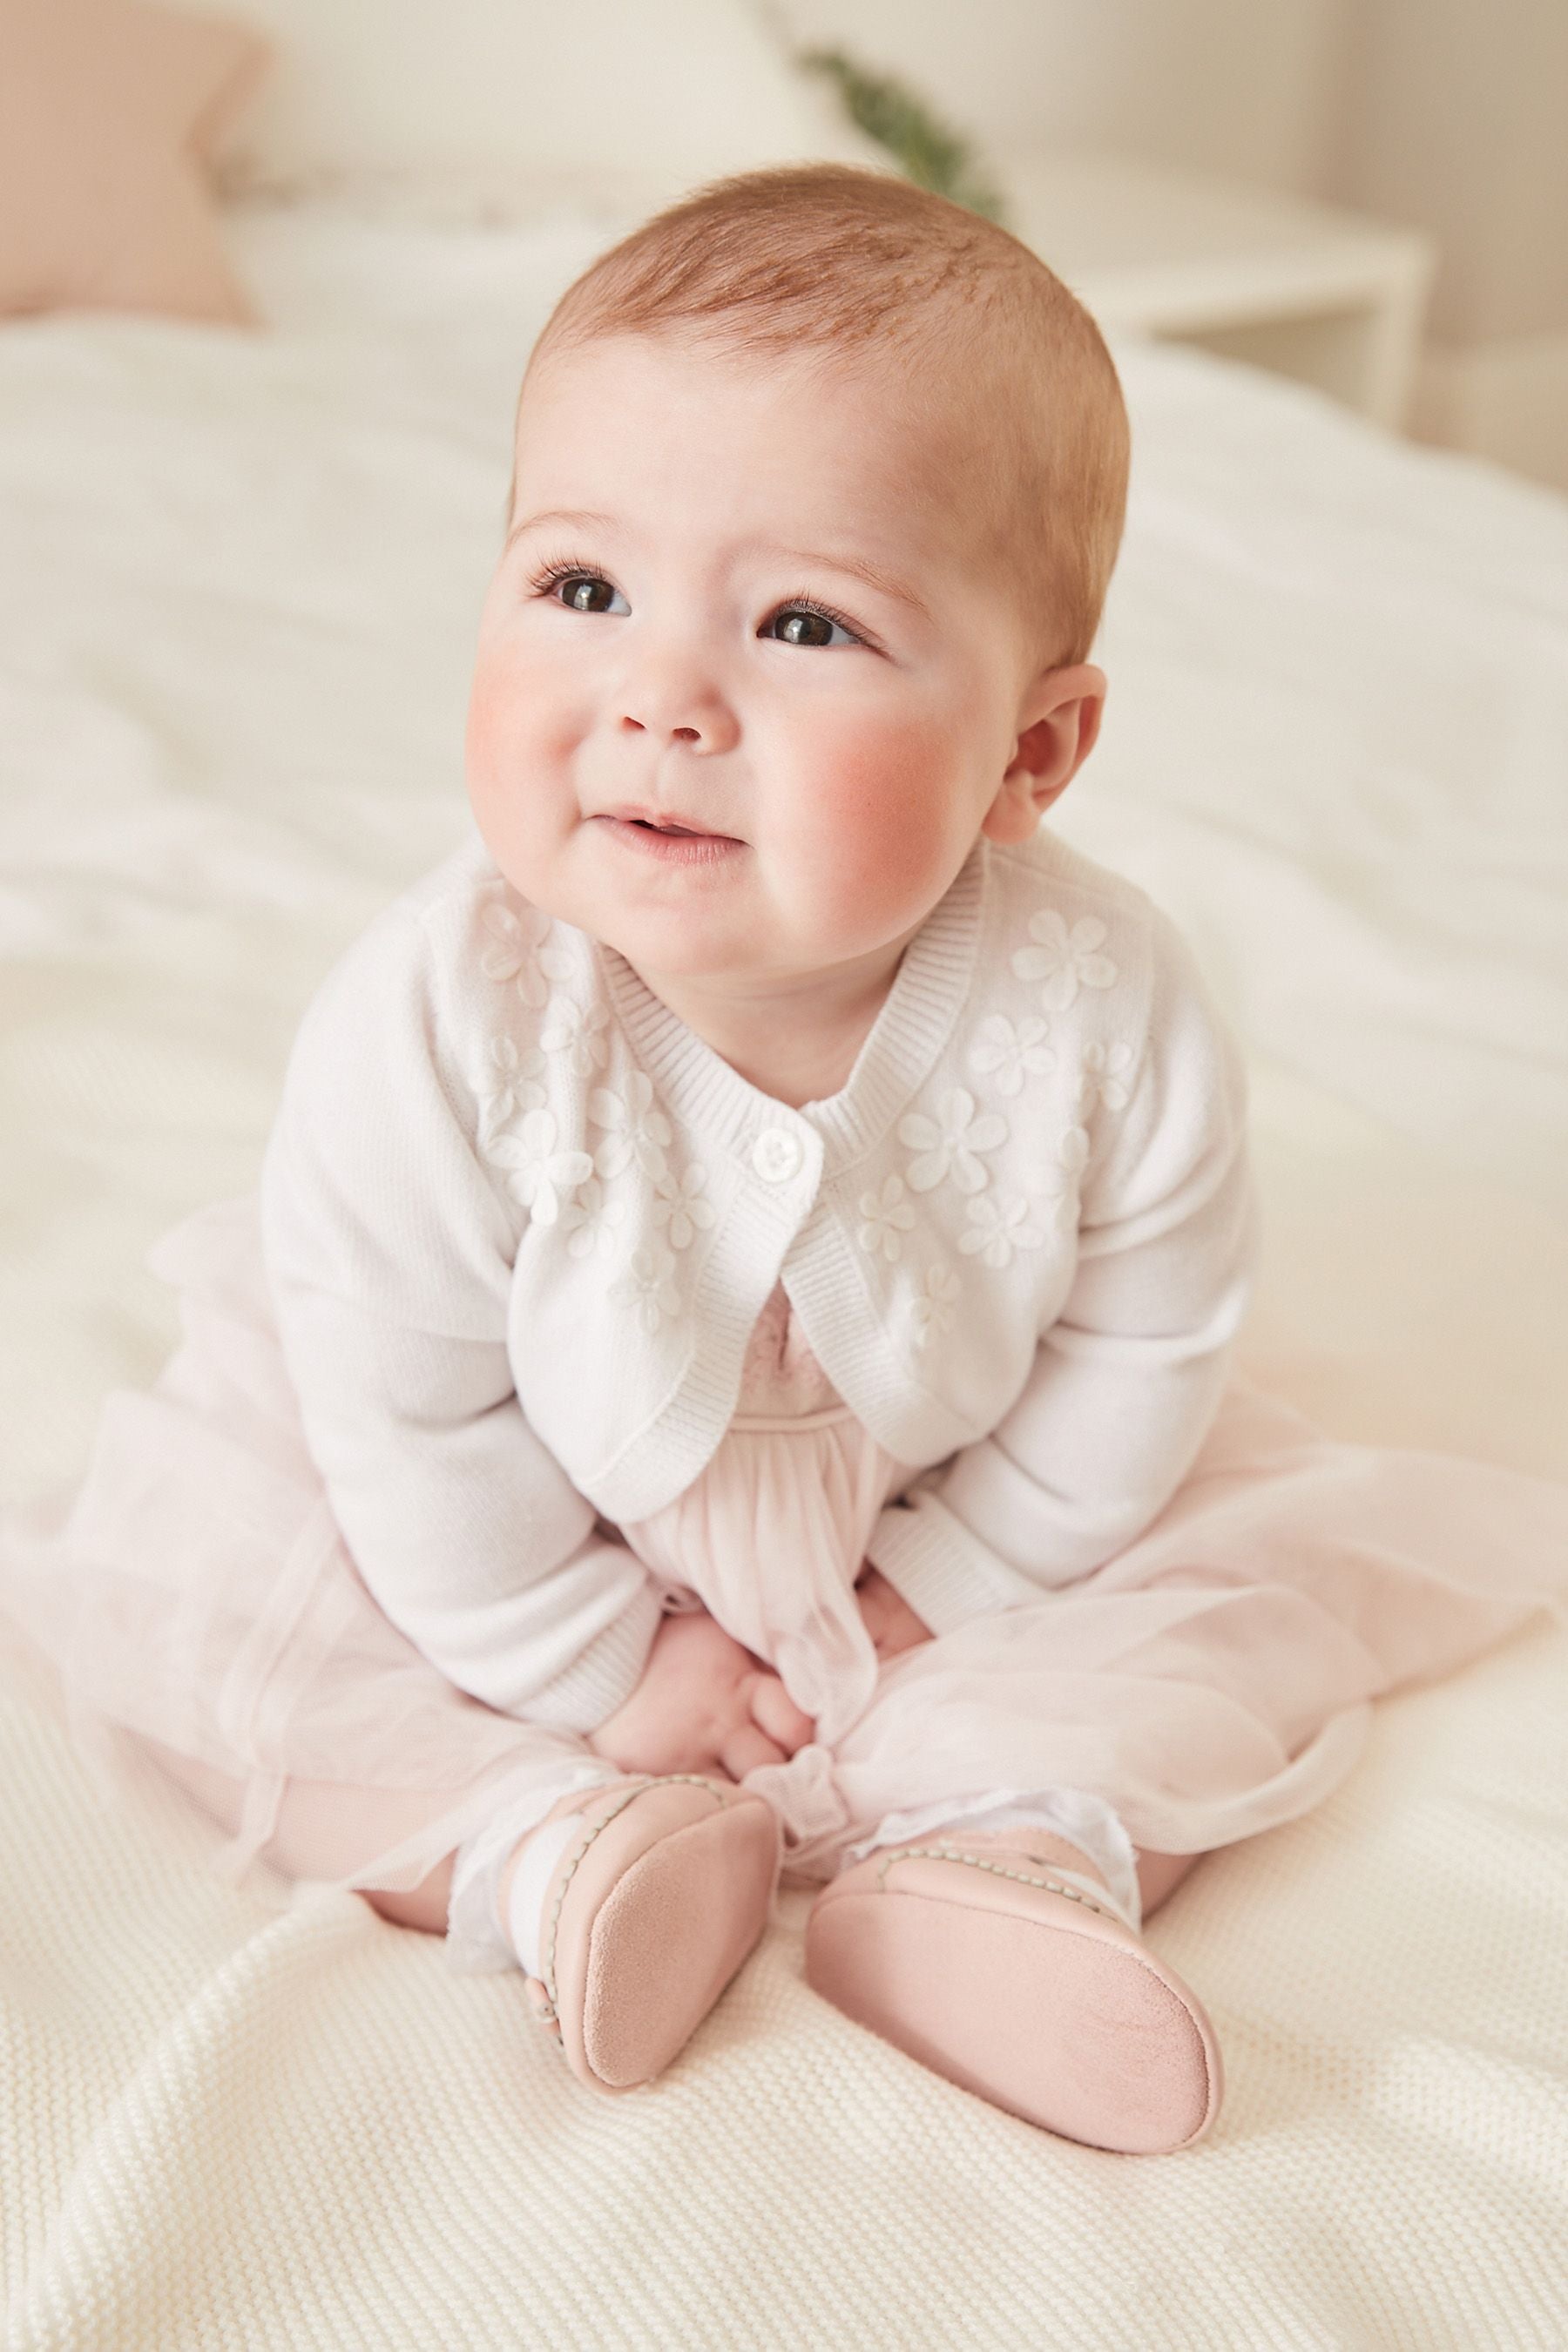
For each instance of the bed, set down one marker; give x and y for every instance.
(239, 576)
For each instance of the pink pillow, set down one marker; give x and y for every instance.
(110, 111)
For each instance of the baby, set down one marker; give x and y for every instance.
(796, 1033)
(726, 1368)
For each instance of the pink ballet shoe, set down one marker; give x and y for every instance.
(646, 1918)
(988, 1958)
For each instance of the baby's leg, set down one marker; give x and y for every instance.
(325, 1828)
(629, 1901)
(986, 1913)
(424, 1907)
(322, 1825)
(701, 1707)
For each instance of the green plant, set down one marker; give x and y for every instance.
(928, 150)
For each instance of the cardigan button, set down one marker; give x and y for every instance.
(776, 1155)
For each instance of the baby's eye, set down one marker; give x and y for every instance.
(809, 625)
(585, 592)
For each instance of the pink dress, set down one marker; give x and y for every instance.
(198, 1607)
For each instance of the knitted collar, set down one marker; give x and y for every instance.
(709, 1097)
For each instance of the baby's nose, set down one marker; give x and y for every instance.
(679, 709)
(710, 730)
(678, 734)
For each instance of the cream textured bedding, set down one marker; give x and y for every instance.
(238, 584)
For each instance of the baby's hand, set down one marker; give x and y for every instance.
(890, 1621)
(704, 1703)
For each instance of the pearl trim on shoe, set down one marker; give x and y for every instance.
(546, 2009)
(1087, 1891)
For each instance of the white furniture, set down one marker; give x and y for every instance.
(1318, 294)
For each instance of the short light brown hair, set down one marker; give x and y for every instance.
(854, 265)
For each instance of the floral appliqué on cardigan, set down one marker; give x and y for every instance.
(952, 1143)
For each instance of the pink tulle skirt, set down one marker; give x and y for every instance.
(194, 1605)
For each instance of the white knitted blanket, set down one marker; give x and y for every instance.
(232, 725)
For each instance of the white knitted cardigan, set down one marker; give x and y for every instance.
(519, 1221)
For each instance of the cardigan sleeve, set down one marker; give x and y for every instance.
(1126, 1381)
(388, 1250)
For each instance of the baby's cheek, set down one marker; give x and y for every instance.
(509, 781)
(518, 744)
(491, 728)
(883, 827)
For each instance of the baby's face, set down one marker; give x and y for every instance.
(684, 632)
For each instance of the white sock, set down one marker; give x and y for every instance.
(478, 1937)
(525, 1903)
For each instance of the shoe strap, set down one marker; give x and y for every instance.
(1090, 1892)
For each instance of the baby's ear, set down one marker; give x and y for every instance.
(1059, 720)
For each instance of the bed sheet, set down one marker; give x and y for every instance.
(239, 578)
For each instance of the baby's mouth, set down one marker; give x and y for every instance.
(632, 816)
(662, 834)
